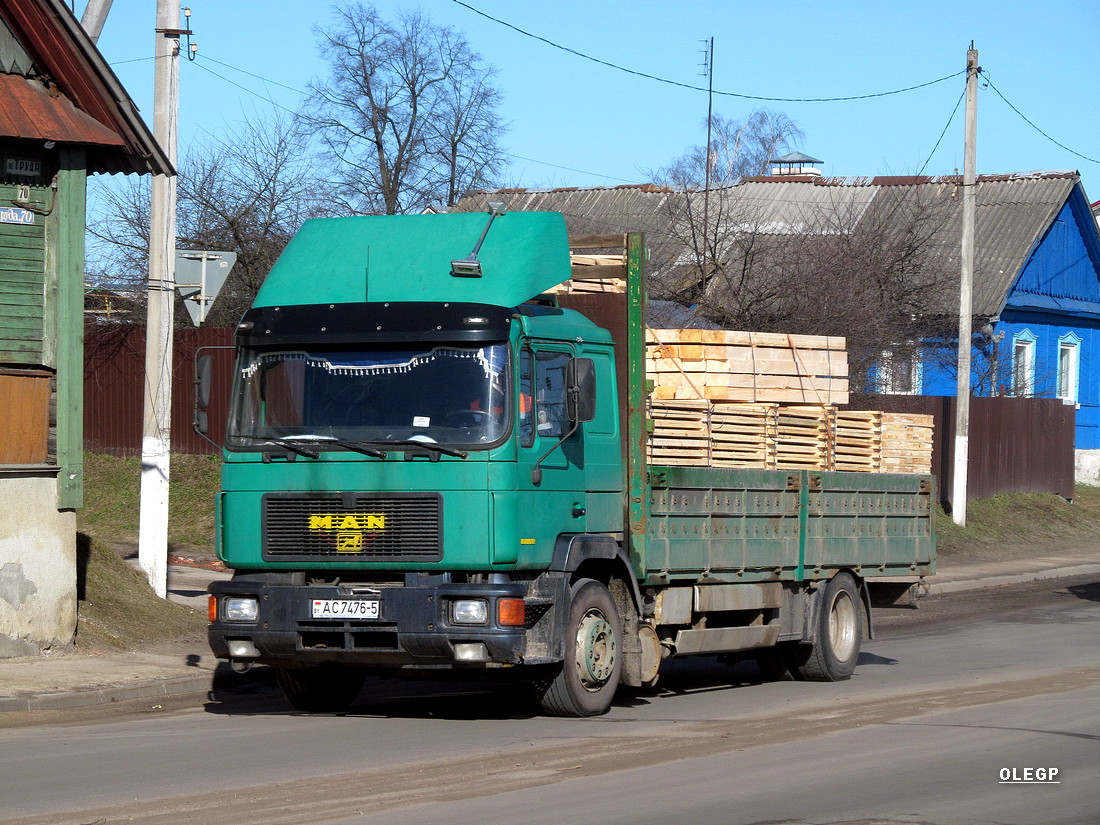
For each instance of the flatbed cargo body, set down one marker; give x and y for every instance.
(432, 474)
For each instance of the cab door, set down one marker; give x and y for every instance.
(551, 474)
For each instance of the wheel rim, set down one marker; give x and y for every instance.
(595, 650)
(842, 626)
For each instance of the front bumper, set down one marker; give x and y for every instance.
(413, 628)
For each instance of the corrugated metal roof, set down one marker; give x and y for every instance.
(62, 50)
(1013, 211)
(28, 110)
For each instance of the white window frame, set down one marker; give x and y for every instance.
(889, 363)
(1023, 342)
(1069, 368)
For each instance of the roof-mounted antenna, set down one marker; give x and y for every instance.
(470, 266)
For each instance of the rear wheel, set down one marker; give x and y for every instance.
(321, 688)
(585, 682)
(832, 656)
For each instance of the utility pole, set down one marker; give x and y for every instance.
(156, 433)
(95, 14)
(966, 289)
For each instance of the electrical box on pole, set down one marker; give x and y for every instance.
(200, 275)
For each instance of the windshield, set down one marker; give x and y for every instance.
(444, 395)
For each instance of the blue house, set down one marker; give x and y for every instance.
(1036, 298)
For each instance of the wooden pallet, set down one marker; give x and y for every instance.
(857, 440)
(770, 436)
(906, 443)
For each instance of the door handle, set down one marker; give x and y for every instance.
(578, 511)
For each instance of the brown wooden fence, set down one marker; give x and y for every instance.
(1017, 445)
(114, 384)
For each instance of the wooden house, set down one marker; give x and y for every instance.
(63, 116)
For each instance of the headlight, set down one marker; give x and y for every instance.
(241, 609)
(470, 611)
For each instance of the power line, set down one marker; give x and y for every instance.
(569, 168)
(245, 89)
(944, 132)
(1032, 125)
(701, 88)
(250, 74)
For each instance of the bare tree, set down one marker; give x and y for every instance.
(247, 193)
(408, 116)
(871, 274)
(738, 149)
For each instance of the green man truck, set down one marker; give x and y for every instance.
(433, 468)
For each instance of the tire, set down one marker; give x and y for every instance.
(585, 682)
(832, 655)
(320, 689)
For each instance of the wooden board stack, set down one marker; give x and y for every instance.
(906, 443)
(681, 433)
(594, 273)
(751, 367)
(802, 438)
(773, 437)
(741, 435)
(857, 440)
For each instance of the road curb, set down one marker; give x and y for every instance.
(66, 700)
(962, 585)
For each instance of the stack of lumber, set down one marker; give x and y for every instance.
(857, 440)
(906, 443)
(594, 273)
(681, 433)
(802, 438)
(751, 367)
(703, 433)
(741, 435)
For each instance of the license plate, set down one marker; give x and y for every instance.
(345, 609)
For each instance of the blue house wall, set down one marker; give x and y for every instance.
(1054, 301)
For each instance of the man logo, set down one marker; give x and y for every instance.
(349, 531)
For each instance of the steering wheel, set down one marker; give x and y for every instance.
(465, 418)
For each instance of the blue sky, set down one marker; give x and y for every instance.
(573, 122)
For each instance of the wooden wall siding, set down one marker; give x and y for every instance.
(22, 278)
(114, 378)
(25, 411)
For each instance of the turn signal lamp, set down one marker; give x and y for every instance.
(511, 613)
(212, 608)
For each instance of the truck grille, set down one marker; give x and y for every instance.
(353, 527)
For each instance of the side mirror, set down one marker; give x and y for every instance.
(204, 369)
(580, 389)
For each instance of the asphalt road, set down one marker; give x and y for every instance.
(950, 708)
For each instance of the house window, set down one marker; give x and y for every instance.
(1023, 364)
(899, 372)
(1068, 367)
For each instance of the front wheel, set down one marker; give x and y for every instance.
(832, 656)
(585, 682)
(321, 688)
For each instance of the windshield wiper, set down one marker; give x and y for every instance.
(366, 448)
(290, 445)
(431, 446)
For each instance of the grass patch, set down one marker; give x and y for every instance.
(116, 607)
(1041, 523)
(112, 497)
